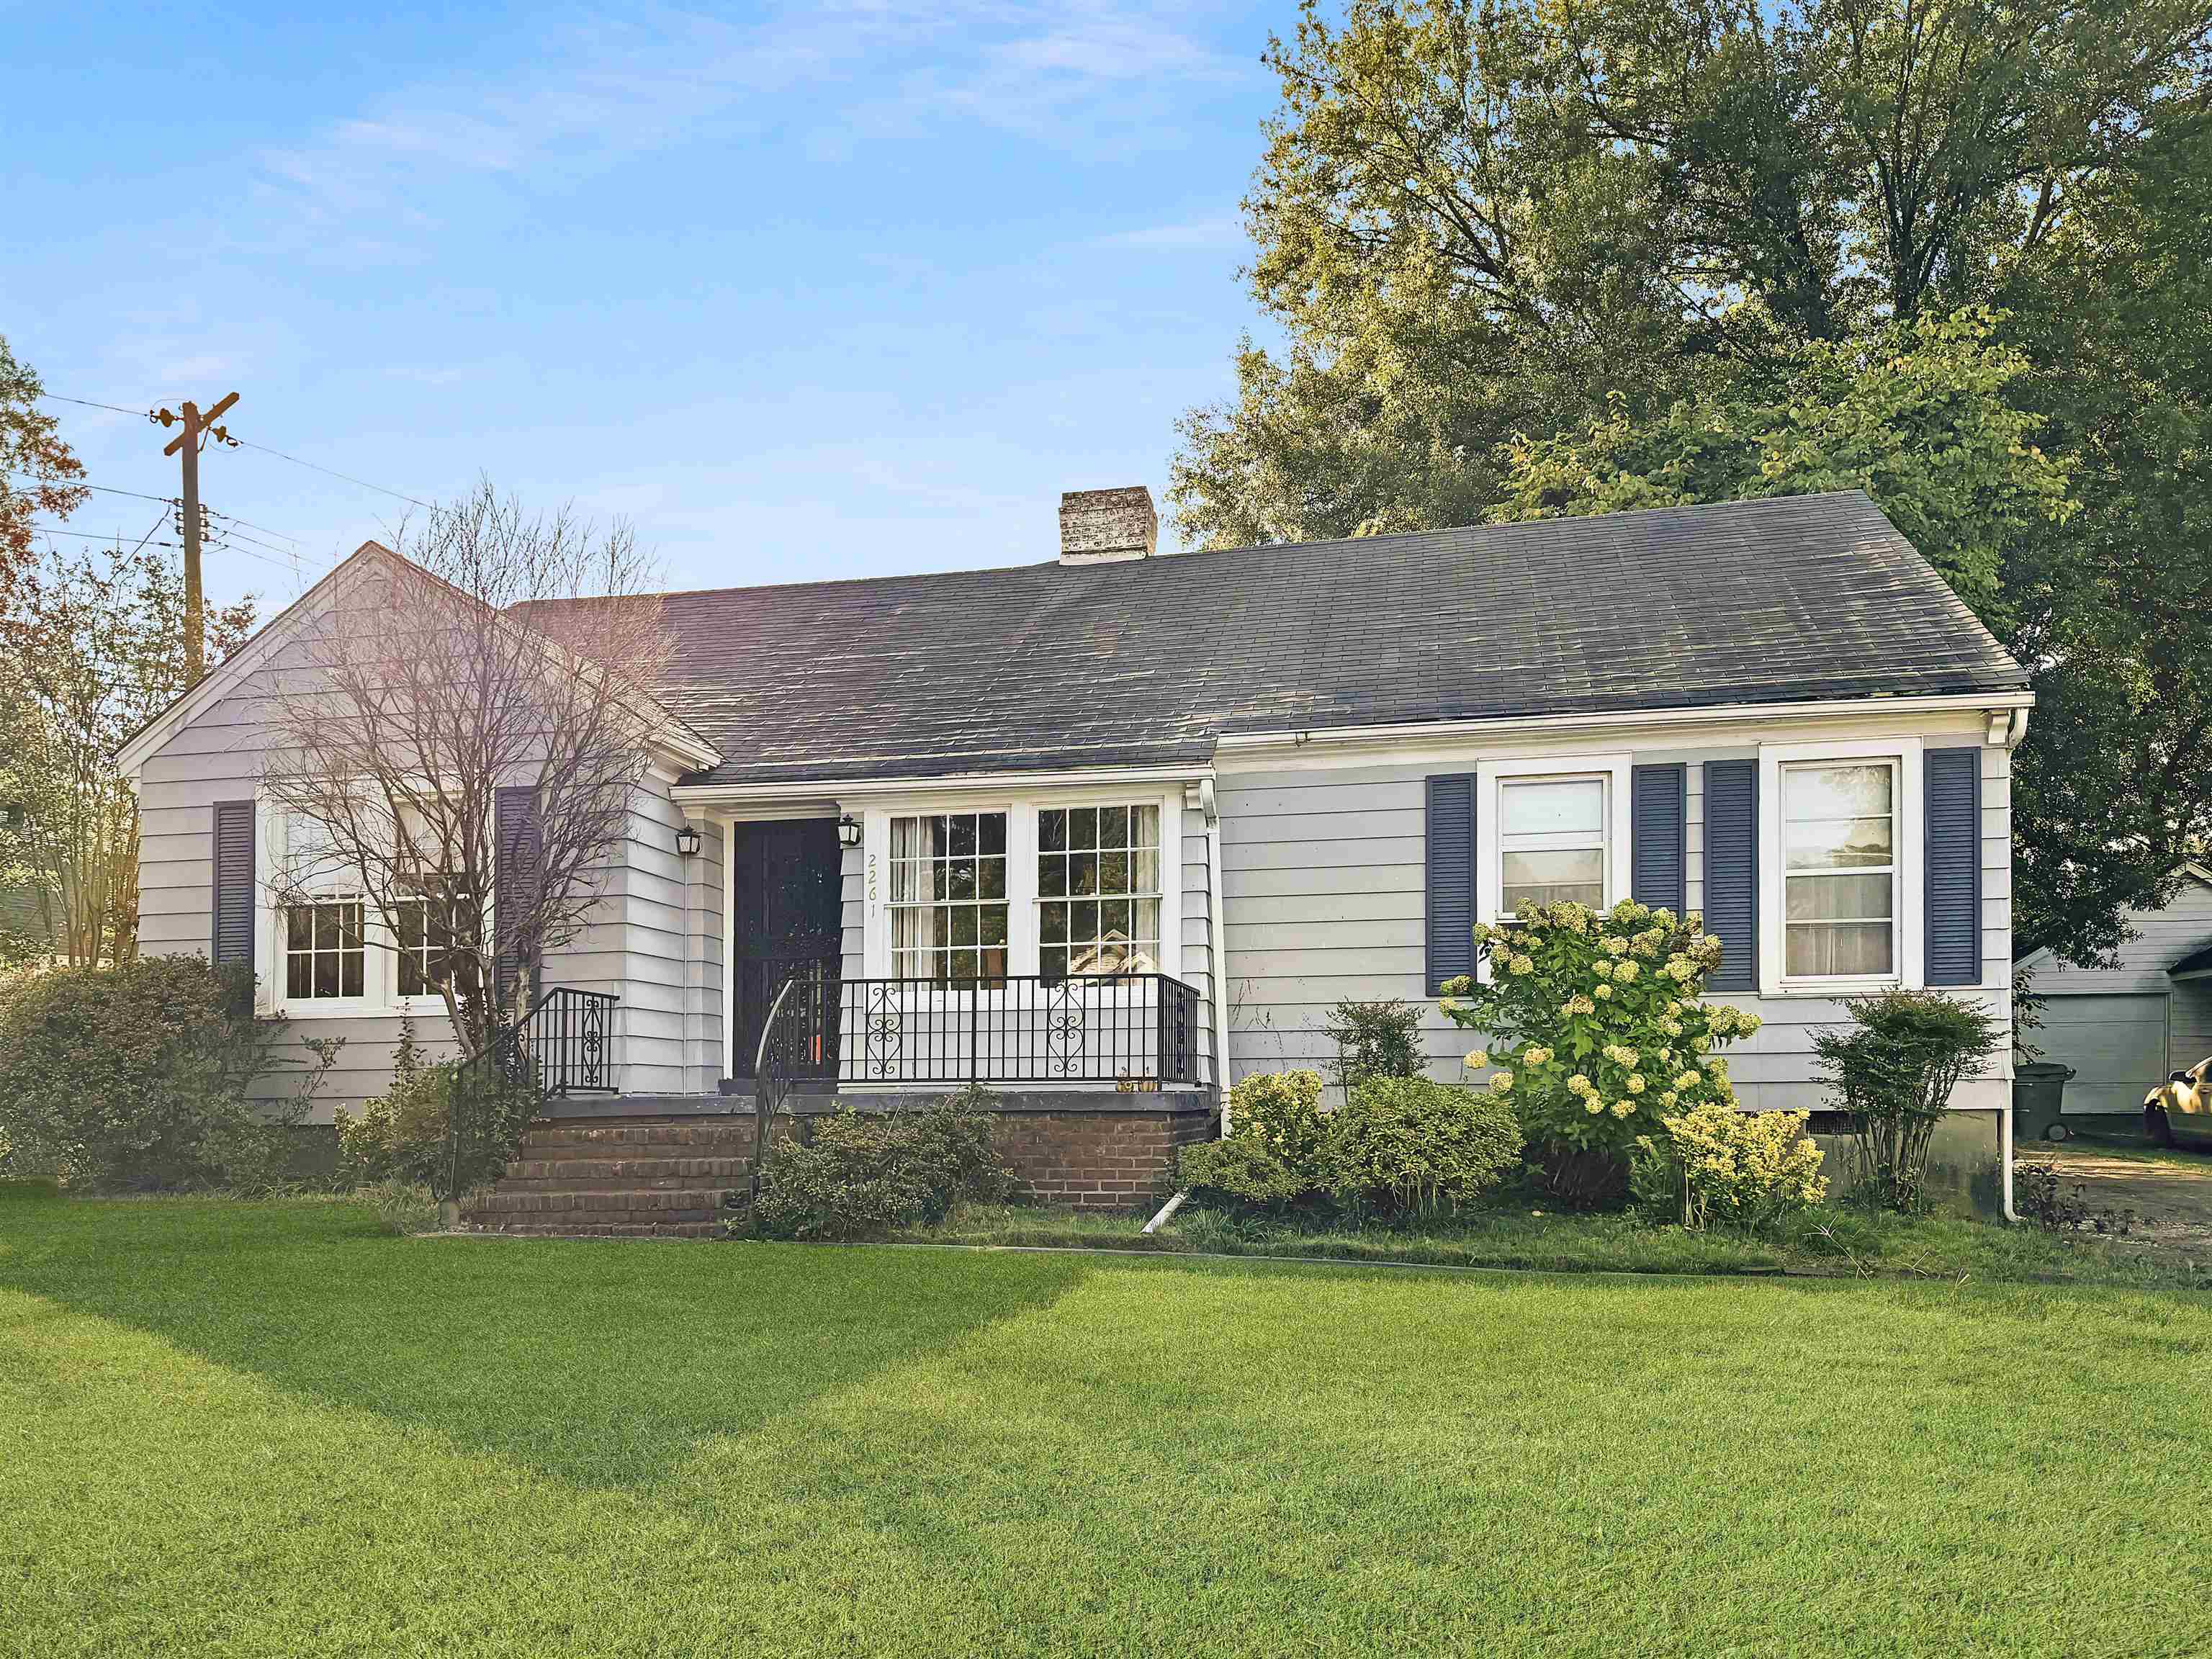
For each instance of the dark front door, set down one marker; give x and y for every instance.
(786, 924)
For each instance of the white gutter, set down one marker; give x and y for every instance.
(2010, 1213)
(1218, 937)
(1702, 714)
(829, 794)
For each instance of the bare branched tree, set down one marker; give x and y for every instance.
(457, 742)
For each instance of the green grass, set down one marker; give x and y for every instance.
(234, 1429)
(1828, 1242)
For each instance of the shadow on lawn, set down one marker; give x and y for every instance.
(598, 1365)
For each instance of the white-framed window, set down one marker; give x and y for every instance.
(948, 895)
(422, 934)
(1064, 882)
(1840, 861)
(1552, 836)
(1839, 845)
(335, 953)
(1098, 889)
(326, 950)
(1550, 829)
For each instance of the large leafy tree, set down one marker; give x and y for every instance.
(1706, 248)
(39, 472)
(91, 648)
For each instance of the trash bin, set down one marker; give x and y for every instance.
(2039, 1093)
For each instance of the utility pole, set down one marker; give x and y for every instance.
(187, 444)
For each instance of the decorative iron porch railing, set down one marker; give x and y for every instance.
(1139, 1031)
(563, 1046)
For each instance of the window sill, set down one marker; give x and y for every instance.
(358, 1008)
(1833, 988)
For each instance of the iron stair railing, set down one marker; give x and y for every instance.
(563, 1045)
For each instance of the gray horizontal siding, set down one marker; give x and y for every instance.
(1323, 879)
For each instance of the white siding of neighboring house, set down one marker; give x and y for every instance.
(1324, 872)
(2161, 938)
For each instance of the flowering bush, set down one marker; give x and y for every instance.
(1596, 1025)
(1271, 1154)
(1714, 1166)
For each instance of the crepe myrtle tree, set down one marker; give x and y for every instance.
(501, 651)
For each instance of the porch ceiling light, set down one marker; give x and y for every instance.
(848, 831)
(687, 841)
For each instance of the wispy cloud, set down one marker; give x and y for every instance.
(600, 89)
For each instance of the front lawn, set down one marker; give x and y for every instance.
(240, 1429)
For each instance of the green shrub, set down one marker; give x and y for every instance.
(1717, 1166)
(860, 1176)
(1594, 1021)
(1273, 1153)
(135, 1077)
(410, 1134)
(1409, 1145)
(1374, 1039)
(1894, 1067)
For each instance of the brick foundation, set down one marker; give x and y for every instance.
(1098, 1160)
(628, 1173)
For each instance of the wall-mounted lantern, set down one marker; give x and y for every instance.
(848, 831)
(687, 841)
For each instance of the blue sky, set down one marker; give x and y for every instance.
(815, 290)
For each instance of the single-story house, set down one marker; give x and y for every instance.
(2124, 1027)
(1107, 831)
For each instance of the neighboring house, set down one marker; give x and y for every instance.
(1271, 778)
(2124, 1029)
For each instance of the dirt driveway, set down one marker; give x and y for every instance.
(2169, 1192)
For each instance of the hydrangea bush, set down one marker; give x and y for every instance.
(1715, 1166)
(1595, 1022)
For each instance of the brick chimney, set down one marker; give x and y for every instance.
(1099, 525)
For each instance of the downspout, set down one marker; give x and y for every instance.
(2016, 729)
(1218, 935)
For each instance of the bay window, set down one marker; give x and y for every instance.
(1839, 845)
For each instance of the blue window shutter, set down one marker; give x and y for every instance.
(514, 871)
(1732, 871)
(231, 926)
(1658, 803)
(1952, 863)
(1451, 842)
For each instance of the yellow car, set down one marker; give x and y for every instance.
(2180, 1108)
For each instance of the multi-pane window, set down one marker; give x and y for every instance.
(1551, 842)
(324, 954)
(948, 897)
(1839, 866)
(422, 934)
(1098, 891)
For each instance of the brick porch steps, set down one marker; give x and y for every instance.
(633, 1178)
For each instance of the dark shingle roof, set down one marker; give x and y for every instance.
(1048, 666)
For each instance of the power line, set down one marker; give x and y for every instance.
(399, 495)
(87, 403)
(148, 536)
(249, 523)
(104, 489)
(87, 536)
